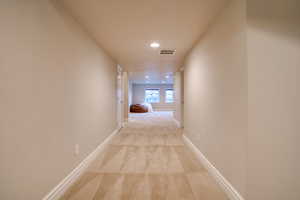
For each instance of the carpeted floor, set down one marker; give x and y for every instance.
(147, 160)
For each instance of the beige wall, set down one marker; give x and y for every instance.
(215, 94)
(138, 96)
(243, 111)
(57, 89)
(274, 102)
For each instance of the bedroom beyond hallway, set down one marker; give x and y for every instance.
(150, 92)
(147, 159)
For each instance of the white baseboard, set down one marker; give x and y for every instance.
(177, 122)
(59, 190)
(124, 124)
(231, 192)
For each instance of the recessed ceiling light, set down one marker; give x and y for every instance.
(167, 76)
(154, 45)
(147, 77)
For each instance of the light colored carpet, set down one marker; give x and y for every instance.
(146, 160)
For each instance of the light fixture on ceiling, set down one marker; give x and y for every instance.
(154, 45)
(146, 76)
(167, 76)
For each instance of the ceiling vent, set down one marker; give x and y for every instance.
(167, 52)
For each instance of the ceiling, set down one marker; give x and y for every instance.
(151, 77)
(125, 29)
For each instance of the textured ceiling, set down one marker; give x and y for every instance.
(125, 28)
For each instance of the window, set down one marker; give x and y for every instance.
(152, 96)
(169, 97)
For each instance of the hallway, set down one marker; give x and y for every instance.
(146, 160)
(214, 85)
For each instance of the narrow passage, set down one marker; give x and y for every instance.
(146, 160)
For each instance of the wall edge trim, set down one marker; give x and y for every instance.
(178, 124)
(62, 186)
(226, 186)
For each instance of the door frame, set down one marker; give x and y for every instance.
(120, 97)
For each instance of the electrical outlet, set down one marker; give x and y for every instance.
(76, 149)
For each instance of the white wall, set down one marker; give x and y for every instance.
(273, 38)
(215, 94)
(130, 85)
(138, 95)
(179, 97)
(57, 89)
(125, 84)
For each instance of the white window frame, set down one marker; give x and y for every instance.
(156, 89)
(169, 89)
